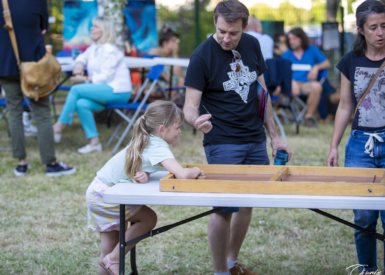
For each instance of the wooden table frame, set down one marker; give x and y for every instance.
(285, 180)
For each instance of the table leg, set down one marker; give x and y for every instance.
(133, 260)
(122, 239)
(170, 89)
(152, 233)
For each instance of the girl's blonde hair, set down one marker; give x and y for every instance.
(108, 29)
(158, 113)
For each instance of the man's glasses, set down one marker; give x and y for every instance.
(236, 58)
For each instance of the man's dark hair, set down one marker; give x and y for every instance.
(231, 11)
(302, 35)
(363, 11)
(166, 34)
(277, 41)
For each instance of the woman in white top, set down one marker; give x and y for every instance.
(108, 82)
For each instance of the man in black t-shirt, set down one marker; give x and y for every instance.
(223, 82)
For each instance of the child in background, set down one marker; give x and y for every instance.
(147, 153)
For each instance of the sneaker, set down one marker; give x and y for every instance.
(238, 269)
(30, 130)
(88, 149)
(21, 170)
(59, 169)
(309, 122)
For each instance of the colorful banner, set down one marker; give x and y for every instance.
(77, 23)
(140, 17)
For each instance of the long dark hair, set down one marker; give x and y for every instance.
(302, 35)
(363, 11)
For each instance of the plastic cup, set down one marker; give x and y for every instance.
(48, 48)
(281, 157)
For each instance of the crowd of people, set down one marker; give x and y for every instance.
(223, 72)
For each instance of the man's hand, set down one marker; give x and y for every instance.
(332, 160)
(141, 177)
(203, 124)
(78, 79)
(313, 74)
(278, 144)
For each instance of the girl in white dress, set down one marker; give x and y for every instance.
(147, 153)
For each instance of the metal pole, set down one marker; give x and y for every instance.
(342, 48)
(197, 34)
(197, 25)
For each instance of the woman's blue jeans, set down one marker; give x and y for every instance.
(355, 156)
(87, 98)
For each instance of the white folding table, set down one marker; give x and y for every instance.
(68, 63)
(149, 194)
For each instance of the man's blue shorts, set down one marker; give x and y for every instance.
(250, 153)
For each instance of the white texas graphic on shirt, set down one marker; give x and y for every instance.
(240, 82)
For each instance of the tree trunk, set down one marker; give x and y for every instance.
(332, 8)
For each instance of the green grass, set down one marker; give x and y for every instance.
(43, 222)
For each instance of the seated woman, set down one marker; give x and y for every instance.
(108, 82)
(169, 47)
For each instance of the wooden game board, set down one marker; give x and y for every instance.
(288, 180)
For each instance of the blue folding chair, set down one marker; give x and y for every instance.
(153, 75)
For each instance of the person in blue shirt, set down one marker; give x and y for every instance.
(305, 81)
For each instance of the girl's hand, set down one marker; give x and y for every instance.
(201, 173)
(141, 177)
(78, 79)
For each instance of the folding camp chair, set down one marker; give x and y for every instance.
(279, 74)
(153, 75)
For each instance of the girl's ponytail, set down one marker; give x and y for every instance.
(136, 147)
(157, 113)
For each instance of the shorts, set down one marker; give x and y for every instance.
(104, 217)
(250, 153)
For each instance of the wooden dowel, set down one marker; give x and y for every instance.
(280, 175)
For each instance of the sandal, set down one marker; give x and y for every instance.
(109, 263)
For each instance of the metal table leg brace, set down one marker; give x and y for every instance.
(371, 233)
(123, 243)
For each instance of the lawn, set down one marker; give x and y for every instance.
(43, 223)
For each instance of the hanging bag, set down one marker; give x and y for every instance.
(38, 79)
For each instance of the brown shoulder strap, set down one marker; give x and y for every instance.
(9, 26)
(368, 88)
